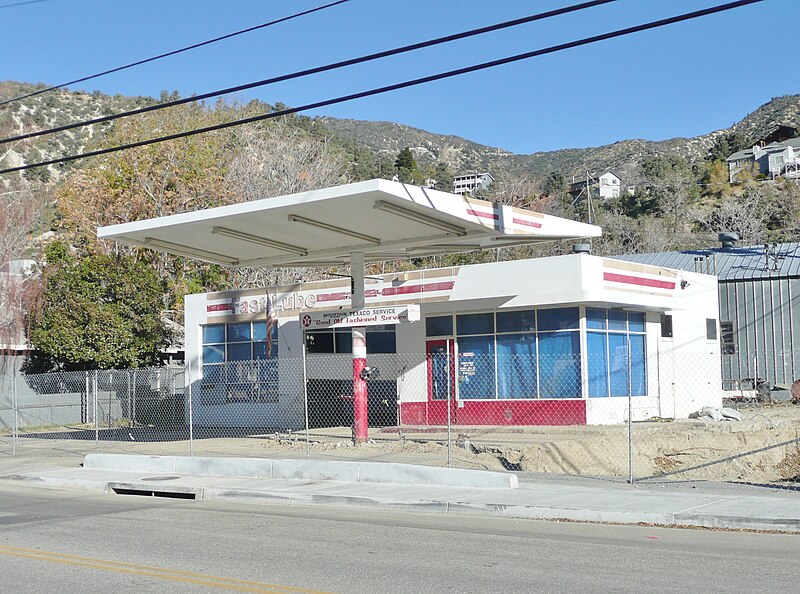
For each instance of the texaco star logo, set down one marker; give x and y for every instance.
(306, 321)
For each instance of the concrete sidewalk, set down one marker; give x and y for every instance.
(549, 499)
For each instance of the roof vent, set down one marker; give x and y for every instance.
(582, 248)
(729, 239)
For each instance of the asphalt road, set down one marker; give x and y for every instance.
(71, 541)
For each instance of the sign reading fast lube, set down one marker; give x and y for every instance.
(369, 316)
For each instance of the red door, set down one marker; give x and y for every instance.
(441, 382)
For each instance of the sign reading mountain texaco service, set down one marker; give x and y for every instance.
(370, 316)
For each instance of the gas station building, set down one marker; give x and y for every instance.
(562, 340)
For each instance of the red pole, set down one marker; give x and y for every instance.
(360, 414)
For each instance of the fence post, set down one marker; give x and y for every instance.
(15, 428)
(191, 413)
(630, 437)
(451, 395)
(305, 397)
(132, 411)
(85, 400)
(96, 419)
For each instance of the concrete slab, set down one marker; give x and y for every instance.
(608, 502)
(370, 472)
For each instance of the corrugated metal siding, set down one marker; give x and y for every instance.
(766, 327)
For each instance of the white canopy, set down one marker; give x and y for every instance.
(381, 219)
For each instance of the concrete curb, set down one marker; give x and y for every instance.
(353, 472)
(445, 506)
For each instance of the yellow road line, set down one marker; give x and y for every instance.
(163, 573)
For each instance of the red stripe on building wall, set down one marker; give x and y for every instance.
(389, 291)
(485, 215)
(427, 288)
(332, 297)
(525, 223)
(637, 280)
(219, 307)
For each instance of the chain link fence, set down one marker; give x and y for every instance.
(662, 418)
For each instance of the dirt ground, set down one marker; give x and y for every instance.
(762, 448)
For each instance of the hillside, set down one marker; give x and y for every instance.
(382, 139)
(624, 156)
(52, 109)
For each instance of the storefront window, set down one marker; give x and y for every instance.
(616, 353)
(380, 339)
(240, 363)
(519, 354)
(439, 326)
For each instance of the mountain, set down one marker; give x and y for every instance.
(384, 139)
(52, 109)
(624, 157)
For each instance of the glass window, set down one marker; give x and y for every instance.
(260, 351)
(239, 332)
(482, 323)
(214, 334)
(564, 318)
(616, 357)
(439, 326)
(381, 342)
(595, 319)
(343, 340)
(319, 342)
(597, 362)
(711, 329)
(516, 366)
(260, 331)
(240, 351)
(559, 364)
(213, 354)
(617, 320)
(618, 364)
(636, 321)
(475, 371)
(638, 365)
(516, 321)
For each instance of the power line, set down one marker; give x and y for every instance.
(317, 70)
(22, 3)
(170, 53)
(397, 86)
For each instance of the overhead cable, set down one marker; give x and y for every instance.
(410, 83)
(316, 70)
(170, 53)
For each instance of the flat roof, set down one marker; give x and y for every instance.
(382, 219)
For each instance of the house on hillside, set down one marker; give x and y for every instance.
(472, 183)
(759, 308)
(777, 155)
(605, 187)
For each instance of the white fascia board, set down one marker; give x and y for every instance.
(221, 212)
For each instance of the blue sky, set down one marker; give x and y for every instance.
(682, 80)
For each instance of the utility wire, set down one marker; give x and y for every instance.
(410, 83)
(317, 70)
(170, 53)
(22, 3)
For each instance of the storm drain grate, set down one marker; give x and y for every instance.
(146, 491)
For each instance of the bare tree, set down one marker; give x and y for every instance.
(273, 160)
(21, 210)
(277, 159)
(746, 213)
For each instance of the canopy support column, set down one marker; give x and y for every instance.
(359, 334)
